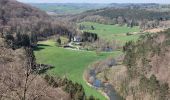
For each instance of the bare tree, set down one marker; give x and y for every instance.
(19, 82)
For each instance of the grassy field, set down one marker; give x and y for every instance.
(112, 32)
(72, 64)
(69, 63)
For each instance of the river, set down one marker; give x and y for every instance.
(108, 88)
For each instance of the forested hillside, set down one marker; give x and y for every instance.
(147, 63)
(144, 18)
(20, 18)
(144, 74)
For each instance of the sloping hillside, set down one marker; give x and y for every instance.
(18, 82)
(144, 18)
(18, 78)
(147, 71)
(150, 56)
(13, 9)
(16, 17)
(144, 74)
(14, 13)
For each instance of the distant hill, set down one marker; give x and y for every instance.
(67, 8)
(16, 15)
(134, 5)
(147, 16)
(75, 8)
(12, 9)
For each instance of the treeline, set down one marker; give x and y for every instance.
(144, 60)
(91, 41)
(138, 14)
(90, 37)
(132, 17)
(75, 90)
(21, 40)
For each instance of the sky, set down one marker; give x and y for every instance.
(95, 1)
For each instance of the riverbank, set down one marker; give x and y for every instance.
(116, 76)
(95, 76)
(100, 91)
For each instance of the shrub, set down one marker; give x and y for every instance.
(58, 41)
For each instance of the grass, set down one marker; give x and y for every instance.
(70, 63)
(112, 32)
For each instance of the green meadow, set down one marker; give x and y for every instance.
(70, 63)
(112, 32)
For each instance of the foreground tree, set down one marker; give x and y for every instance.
(19, 80)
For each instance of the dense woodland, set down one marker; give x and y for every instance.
(144, 18)
(17, 18)
(146, 60)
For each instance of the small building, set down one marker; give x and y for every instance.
(77, 39)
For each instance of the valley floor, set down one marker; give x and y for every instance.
(70, 63)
